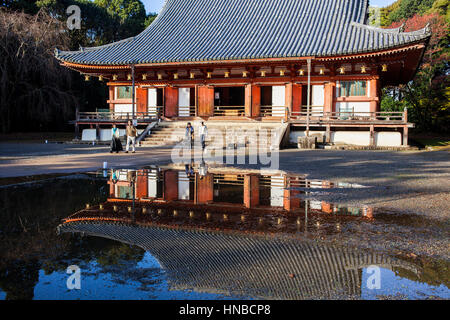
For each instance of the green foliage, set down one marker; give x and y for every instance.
(405, 9)
(427, 96)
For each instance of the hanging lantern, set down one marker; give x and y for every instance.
(342, 70)
(87, 206)
(209, 75)
(242, 218)
(191, 214)
(227, 74)
(129, 76)
(100, 78)
(225, 217)
(175, 76)
(87, 78)
(263, 73)
(208, 215)
(282, 73)
(144, 76)
(159, 76)
(244, 74)
(101, 207)
(321, 71)
(301, 72)
(115, 208)
(192, 75)
(363, 69)
(130, 209)
(384, 68)
(159, 211)
(175, 213)
(144, 210)
(115, 77)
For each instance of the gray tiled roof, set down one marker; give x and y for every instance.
(246, 264)
(211, 30)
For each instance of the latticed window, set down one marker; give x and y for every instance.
(123, 93)
(353, 88)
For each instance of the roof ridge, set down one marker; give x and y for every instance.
(424, 31)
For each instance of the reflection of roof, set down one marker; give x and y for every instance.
(193, 31)
(242, 264)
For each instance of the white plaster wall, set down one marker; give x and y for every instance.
(123, 108)
(358, 138)
(89, 135)
(388, 139)
(318, 95)
(358, 107)
(152, 100)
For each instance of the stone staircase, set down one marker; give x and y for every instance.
(221, 134)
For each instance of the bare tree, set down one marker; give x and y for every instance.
(34, 89)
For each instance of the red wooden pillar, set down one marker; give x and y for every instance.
(170, 185)
(171, 102)
(205, 189)
(256, 101)
(111, 98)
(289, 99)
(248, 100)
(205, 101)
(251, 191)
(141, 100)
(297, 97)
(374, 90)
(328, 102)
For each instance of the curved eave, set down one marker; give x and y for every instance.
(417, 45)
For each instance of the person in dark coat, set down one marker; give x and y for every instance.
(116, 145)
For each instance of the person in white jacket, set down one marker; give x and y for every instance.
(203, 132)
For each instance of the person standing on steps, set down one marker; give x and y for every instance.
(131, 136)
(203, 134)
(190, 135)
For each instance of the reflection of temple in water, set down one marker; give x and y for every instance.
(227, 189)
(209, 233)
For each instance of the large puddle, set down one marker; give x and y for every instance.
(210, 233)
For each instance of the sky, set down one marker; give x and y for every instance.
(156, 5)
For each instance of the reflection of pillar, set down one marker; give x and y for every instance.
(141, 186)
(112, 190)
(170, 185)
(291, 200)
(326, 207)
(368, 213)
(251, 191)
(205, 189)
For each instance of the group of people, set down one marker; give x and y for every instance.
(116, 144)
(203, 132)
(131, 132)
